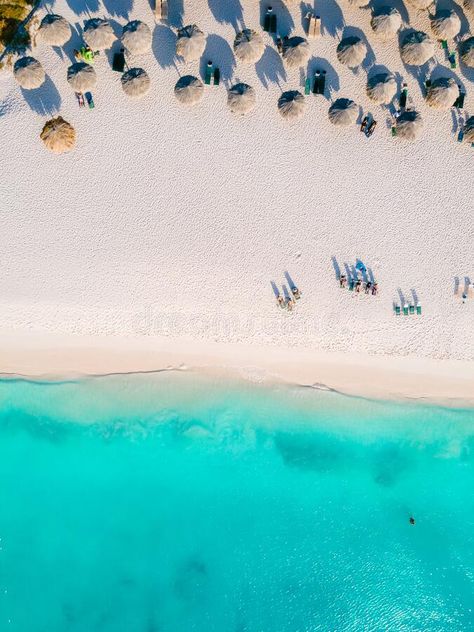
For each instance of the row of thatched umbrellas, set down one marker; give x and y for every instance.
(136, 37)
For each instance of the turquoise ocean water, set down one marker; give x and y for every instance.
(172, 503)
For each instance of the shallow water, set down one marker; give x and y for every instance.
(176, 503)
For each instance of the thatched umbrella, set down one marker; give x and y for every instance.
(241, 98)
(54, 30)
(409, 125)
(191, 43)
(58, 135)
(136, 37)
(248, 46)
(291, 105)
(29, 73)
(468, 6)
(295, 52)
(135, 82)
(81, 77)
(421, 5)
(469, 130)
(189, 90)
(417, 48)
(351, 51)
(466, 52)
(98, 34)
(382, 87)
(386, 22)
(445, 24)
(442, 93)
(343, 112)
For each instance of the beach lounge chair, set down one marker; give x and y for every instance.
(118, 63)
(365, 122)
(398, 310)
(459, 103)
(452, 59)
(266, 20)
(161, 9)
(322, 82)
(311, 21)
(405, 309)
(90, 100)
(418, 309)
(217, 76)
(273, 23)
(404, 95)
(209, 73)
(316, 82)
(412, 308)
(307, 86)
(444, 44)
(371, 129)
(461, 135)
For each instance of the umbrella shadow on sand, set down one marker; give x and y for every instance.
(83, 6)
(45, 100)
(220, 53)
(119, 8)
(270, 68)
(227, 12)
(164, 46)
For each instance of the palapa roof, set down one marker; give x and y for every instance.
(189, 90)
(386, 22)
(191, 43)
(417, 48)
(442, 93)
(381, 88)
(54, 30)
(409, 125)
(29, 73)
(466, 52)
(58, 135)
(241, 98)
(98, 34)
(248, 46)
(445, 24)
(351, 51)
(469, 130)
(81, 77)
(291, 105)
(135, 82)
(343, 112)
(136, 37)
(295, 52)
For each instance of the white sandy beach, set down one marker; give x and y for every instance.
(154, 243)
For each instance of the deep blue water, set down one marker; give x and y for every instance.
(174, 503)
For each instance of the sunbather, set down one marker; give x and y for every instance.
(368, 285)
(290, 303)
(280, 301)
(296, 293)
(358, 286)
(375, 289)
(342, 280)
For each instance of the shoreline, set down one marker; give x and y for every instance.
(53, 357)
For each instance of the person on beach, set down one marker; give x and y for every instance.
(296, 293)
(375, 289)
(342, 280)
(290, 303)
(368, 285)
(280, 301)
(358, 286)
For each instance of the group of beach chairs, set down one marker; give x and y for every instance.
(408, 308)
(358, 286)
(288, 302)
(465, 291)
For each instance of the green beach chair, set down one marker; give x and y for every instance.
(405, 309)
(412, 308)
(307, 86)
(418, 309)
(217, 76)
(398, 310)
(452, 59)
(394, 130)
(444, 44)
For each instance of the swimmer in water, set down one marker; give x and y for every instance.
(412, 520)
